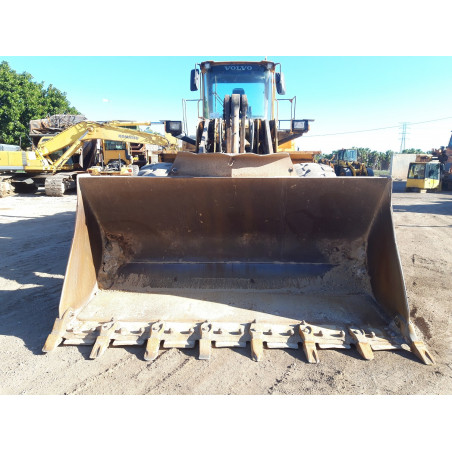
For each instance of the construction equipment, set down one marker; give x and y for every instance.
(50, 163)
(165, 153)
(345, 163)
(230, 248)
(298, 156)
(430, 173)
(305, 161)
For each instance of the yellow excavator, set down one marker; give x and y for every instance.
(163, 154)
(52, 164)
(230, 245)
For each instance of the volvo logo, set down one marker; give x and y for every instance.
(239, 68)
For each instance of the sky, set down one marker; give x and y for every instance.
(353, 66)
(347, 96)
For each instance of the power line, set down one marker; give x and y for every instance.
(431, 120)
(379, 128)
(345, 133)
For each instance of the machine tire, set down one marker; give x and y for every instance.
(161, 169)
(345, 172)
(313, 170)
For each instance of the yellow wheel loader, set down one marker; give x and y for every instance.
(230, 246)
(51, 162)
(345, 163)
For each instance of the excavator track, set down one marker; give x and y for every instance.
(58, 184)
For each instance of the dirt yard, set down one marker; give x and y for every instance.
(35, 236)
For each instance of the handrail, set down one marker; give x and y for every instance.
(184, 113)
(293, 107)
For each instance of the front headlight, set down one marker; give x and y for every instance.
(173, 127)
(300, 125)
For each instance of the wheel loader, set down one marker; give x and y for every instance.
(345, 163)
(229, 247)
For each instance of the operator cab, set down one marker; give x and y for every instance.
(424, 176)
(54, 156)
(348, 155)
(116, 153)
(254, 79)
(429, 170)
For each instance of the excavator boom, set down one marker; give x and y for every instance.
(87, 131)
(45, 159)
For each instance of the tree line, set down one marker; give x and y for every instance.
(374, 159)
(21, 100)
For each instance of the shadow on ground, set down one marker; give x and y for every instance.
(435, 203)
(34, 256)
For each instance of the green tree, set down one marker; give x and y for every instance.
(412, 151)
(373, 159)
(22, 99)
(386, 160)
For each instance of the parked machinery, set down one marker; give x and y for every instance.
(430, 172)
(345, 163)
(52, 162)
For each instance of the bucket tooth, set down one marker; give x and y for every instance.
(153, 343)
(310, 351)
(309, 344)
(365, 350)
(362, 343)
(417, 347)
(205, 343)
(56, 336)
(257, 342)
(420, 350)
(103, 340)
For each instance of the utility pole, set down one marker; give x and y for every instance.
(403, 133)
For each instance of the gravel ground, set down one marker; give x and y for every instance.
(35, 236)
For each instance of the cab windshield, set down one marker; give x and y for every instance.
(110, 145)
(54, 156)
(250, 79)
(349, 155)
(416, 171)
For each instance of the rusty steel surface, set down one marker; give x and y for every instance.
(188, 164)
(232, 260)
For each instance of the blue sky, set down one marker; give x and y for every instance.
(342, 94)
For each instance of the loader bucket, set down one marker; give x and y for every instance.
(279, 262)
